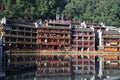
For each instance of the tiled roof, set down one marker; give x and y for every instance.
(111, 32)
(55, 27)
(83, 29)
(111, 36)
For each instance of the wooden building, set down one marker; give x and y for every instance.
(111, 41)
(54, 36)
(83, 39)
(19, 36)
(19, 39)
(96, 26)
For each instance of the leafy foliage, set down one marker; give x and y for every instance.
(106, 11)
(33, 9)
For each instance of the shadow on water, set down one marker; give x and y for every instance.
(97, 64)
(22, 75)
(30, 75)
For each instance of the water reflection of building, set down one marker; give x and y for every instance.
(53, 66)
(111, 66)
(2, 62)
(29, 75)
(83, 67)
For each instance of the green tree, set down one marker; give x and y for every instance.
(33, 9)
(106, 11)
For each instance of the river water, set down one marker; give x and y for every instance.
(30, 75)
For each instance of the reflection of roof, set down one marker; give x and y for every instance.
(111, 32)
(83, 29)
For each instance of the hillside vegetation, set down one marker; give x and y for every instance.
(106, 11)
